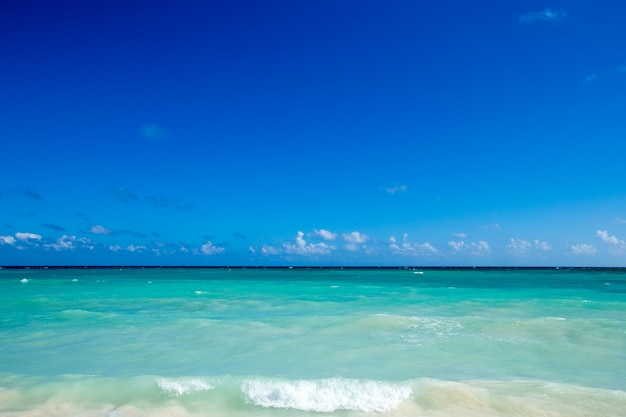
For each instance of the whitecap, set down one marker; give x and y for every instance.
(327, 395)
(184, 386)
(24, 280)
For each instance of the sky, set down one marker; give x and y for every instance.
(327, 132)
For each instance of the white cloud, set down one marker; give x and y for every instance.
(210, 249)
(397, 189)
(100, 230)
(547, 15)
(544, 246)
(252, 250)
(408, 248)
(7, 240)
(619, 220)
(355, 237)
(325, 234)
(268, 250)
(479, 249)
(138, 248)
(617, 245)
(583, 249)
(521, 247)
(300, 247)
(27, 236)
(115, 248)
(460, 235)
(67, 242)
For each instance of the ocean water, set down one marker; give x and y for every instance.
(312, 342)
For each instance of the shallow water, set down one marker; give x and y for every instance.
(434, 342)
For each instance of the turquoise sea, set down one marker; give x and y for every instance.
(312, 342)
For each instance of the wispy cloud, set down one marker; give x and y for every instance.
(521, 247)
(153, 132)
(167, 202)
(606, 74)
(460, 235)
(583, 249)
(397, 189)
(129, 248)
(480, 248)
(101, 230)
(406, 247)
(325, 234)
(240, 236)
(25, 236)
(122, 194)
(619, 220)
(547, 15)
(54, 227)
(28, 192)
(133, 233)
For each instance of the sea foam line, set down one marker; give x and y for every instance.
(327, 395)
(185, 386)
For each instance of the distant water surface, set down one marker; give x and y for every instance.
(296, 342)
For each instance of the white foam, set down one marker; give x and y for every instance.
(327, 395)
(184, 386)
(24, 280)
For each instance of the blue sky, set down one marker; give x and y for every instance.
(313, 133)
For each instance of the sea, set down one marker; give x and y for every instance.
(296, 342)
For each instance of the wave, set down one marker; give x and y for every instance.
(260, 396)
(327, 395)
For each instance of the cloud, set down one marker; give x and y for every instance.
(82, 216)
(210, 249)
(54, 227)
(590, 78)
(619, 220)
(616, 245)
(521, 247)
(607, 73)
(27, 236)
(325, 234)
(7, 240)
(101, 230)
(460, 235)
(407, 248)
(300, 247)
(268, 250)
(29, 193)
(479, 249)
(153, 132)
(355, 237)
(122, 194)
(397, 189)
(583, 249)
(239, 236)
(167, 202)
(547, 15)
(67, 242)
(129, 248)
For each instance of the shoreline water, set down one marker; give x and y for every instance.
(304, 341)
